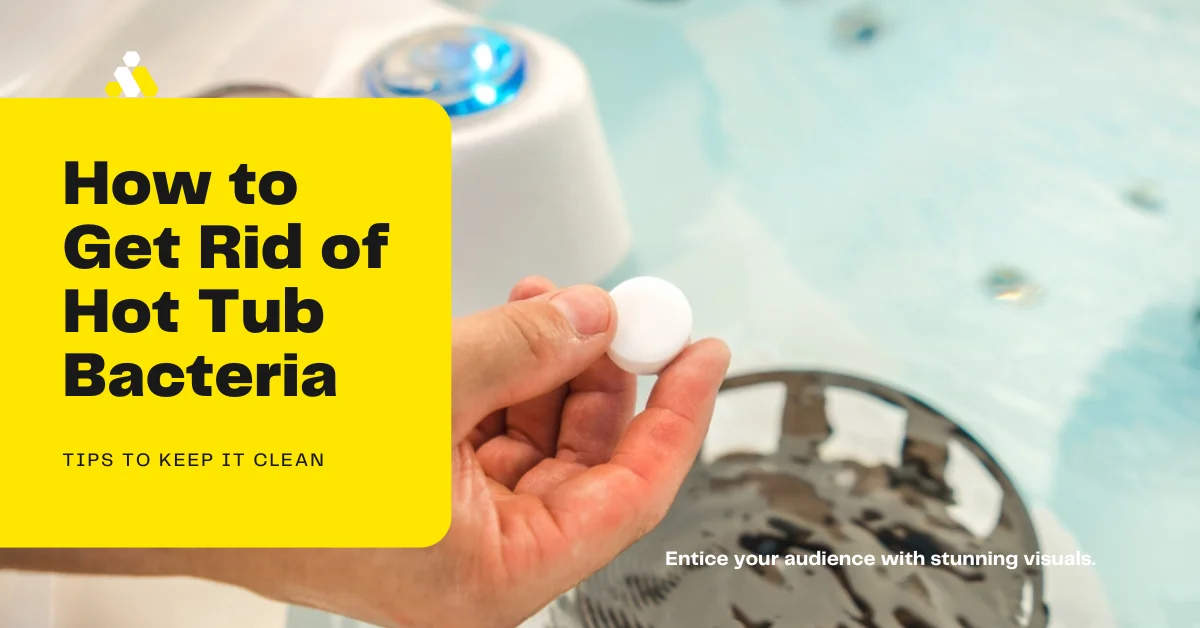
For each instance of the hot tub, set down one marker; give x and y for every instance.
(991, 204)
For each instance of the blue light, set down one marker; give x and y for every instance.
(483, 57)
(466, 69)
(485, 94)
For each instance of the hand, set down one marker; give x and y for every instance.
(553, 476)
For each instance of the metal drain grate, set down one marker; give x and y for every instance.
(794, 503)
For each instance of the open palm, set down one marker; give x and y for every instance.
(553, 473)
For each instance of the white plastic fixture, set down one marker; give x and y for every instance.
(534, 187)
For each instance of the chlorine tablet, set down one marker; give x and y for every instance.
(654, 325)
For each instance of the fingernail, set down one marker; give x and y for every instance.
(585, 307)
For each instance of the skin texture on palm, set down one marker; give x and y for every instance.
(553, 476)
(572, 476)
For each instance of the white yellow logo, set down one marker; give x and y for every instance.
(133, 79)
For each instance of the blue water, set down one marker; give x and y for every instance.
(1127, 479)
(834, 200)
(829, 199)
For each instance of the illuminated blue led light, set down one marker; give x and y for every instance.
(466, 69)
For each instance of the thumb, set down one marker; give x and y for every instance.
(520, 350)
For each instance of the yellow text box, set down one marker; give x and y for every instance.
(354, 453)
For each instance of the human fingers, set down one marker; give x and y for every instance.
(529, 432)
(595, 414)
(515, 352)
(606, 508)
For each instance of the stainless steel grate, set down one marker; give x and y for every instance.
(791, 502)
